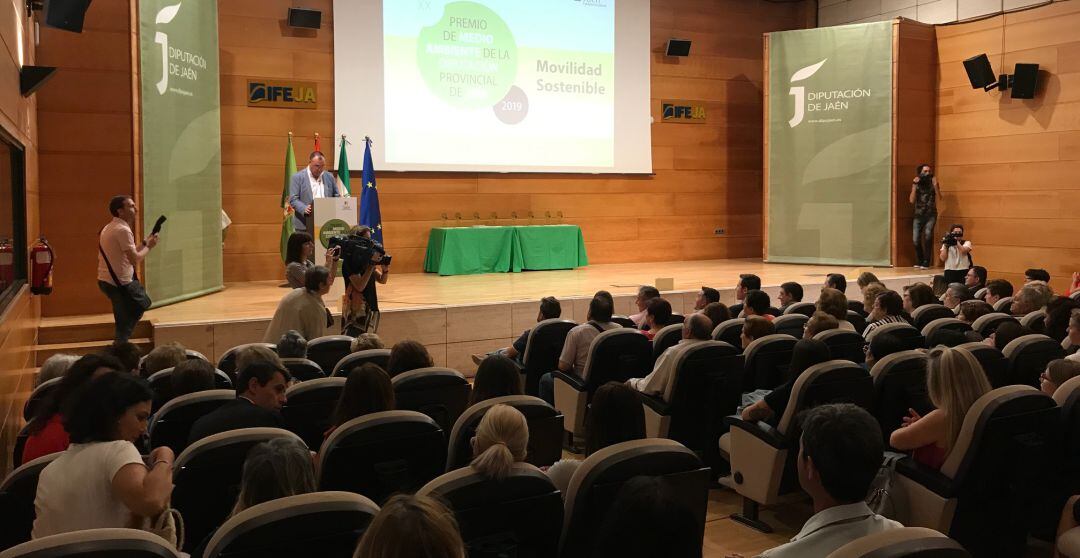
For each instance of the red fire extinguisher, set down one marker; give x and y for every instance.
(41, 264)
(7, 262)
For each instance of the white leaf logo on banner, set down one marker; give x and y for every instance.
(166, 15)
(835, 160)
(800, 92)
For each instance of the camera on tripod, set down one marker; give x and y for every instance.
(357, 251)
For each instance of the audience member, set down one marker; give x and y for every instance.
(836, 281)
(1073, 335)
(190, 376)
(292, 345)
(411, 526)
(501, 440)
(971, 310)
(954, 381)
(497, 376)
(954, 295)
(550, 309)
(101, 480)
(1005, 333)
(575, 349)
(162, 357)
(128, 354)
(46, 433)
(997, 289)
(881, 346)
(916, 295)
(1058, 312)
(834, 303)
(303, 309)
(652, 501)
(1058, 371)
(1032, 296)
(615, 416)
(657, 316)
(840, 453)
(755, 327)
(260, 394)
(367, 390)
(790, 293)
(365, 342)
(251, 354)
(747, 282)
(408, 355)
(644, 295)
(867, 278)
(1036, 274)
(54, 367)
(299, 253)
(806, 353)
(975, 278)
(696, 329)
(756, 303)
(869, 293)
(717, 312)
(818, 323)
(705, 297)
(887, 309)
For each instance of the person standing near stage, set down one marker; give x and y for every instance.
(360, 305)
(924, 194)
(117, 257)
(308, 184)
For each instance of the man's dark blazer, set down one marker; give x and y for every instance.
(240, 413)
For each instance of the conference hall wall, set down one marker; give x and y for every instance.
(1008, 167)
(706, 176)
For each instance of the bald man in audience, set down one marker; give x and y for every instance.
(696, 329)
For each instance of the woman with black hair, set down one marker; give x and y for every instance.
(299, 252)
(497, 376)
(367, 390)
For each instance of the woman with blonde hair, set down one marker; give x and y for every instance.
(870, 293)
(409, 527)
(834, 303)
(954, 381)
(866, 278)
(502, 439)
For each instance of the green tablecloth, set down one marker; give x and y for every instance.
(468, 250)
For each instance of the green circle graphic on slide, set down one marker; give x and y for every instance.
(332, 228)
(468, 58)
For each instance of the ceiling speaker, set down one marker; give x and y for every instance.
(305, 18)
(66, 14)
(31, 78)
(1025, 81)
(678, 47)
(979, 72)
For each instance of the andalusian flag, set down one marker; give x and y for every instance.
(343, 170)
(287, 221)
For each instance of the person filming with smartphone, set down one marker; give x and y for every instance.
(118, 255)
(955, 252)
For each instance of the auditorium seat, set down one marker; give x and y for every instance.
(440, 393)
(161, 384)
(542, 350)
(923, 315)
(905, 332)
(37, 397)
(980, 294)
(192, 354)
(1006, 442)
(987, 323)
(805, 308)
(324, 524)
(1028, 356)
(227, 362)
(666, 338)
(899, 385)
(624, 321)
(905, 542)
(545, 430)
(763, 458)
(17, 494)
(19, 445)
(1068, 544)
(206, 478)
(96, 543)
(730, 332)
(381, 357)
(843, 344)
(1035, 321)
(310, 408)
(171, 424)
(766, 361)
(303, 369)
(791, 324)
(856, 319)
(1067, 396)
(676, 319)
(1003, 305)
(993, 363)
(596, 483)
(857, 307)
(614, 355)
(520, 515)
(381, 454)
(942, 324)
(327, 350)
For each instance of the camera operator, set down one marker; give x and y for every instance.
(924, 195)
(956, 253)
(360, 305)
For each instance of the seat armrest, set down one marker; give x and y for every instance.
(655, 403)
(573, 380)
(759, 430)
(932, 479)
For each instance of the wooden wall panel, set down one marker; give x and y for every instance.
(706, 176)
(1008, 167)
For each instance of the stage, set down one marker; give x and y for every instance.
(457, 316)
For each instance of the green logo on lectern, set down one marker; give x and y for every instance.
(332, 228)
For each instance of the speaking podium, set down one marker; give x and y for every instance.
(332, 217)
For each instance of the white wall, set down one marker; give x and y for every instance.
(837, 12)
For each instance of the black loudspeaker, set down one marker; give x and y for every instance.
(1025, 81)
(979, 72)
(305, 18)
(678, 47)
(31, 78)
(66, 14)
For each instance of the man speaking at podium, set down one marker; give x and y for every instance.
(308, 184)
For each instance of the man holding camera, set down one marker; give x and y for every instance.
(360, 304)
(924, 195)
(956, 253)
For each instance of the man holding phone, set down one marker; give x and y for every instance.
(117, 257)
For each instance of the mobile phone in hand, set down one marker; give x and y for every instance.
(157, 225)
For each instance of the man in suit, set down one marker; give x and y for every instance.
(308, 184)
(260, 394)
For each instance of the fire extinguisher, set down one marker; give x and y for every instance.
(7, 262)
(41, 264)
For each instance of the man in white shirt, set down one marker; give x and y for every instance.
(840, 452)
(579, 339)
(117, 251)
(696, 329)
(306, 185)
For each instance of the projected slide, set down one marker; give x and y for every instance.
(500, 82)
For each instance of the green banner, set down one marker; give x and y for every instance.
(830, 145)
(181, 146)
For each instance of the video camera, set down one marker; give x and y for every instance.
(357, 251)
(950, 239)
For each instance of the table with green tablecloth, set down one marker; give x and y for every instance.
(469, 250)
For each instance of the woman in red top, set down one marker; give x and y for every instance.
(46, 428)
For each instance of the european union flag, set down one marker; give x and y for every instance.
(369, 198)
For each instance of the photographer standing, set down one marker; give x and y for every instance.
(956, 253)
(924, 194)
(117, 258)
(360, 305)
